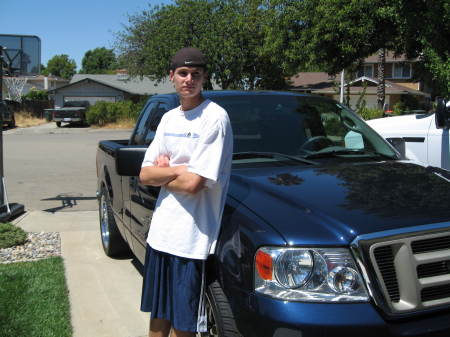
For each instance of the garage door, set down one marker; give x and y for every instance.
(90, 99)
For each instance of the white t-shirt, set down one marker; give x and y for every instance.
(188, 225)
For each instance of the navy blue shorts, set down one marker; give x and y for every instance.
(173, 289)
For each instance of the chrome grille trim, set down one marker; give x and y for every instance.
(391, 268)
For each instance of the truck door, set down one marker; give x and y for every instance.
(438, 146)
(143, 198)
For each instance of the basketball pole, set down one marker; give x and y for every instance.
(7, 210)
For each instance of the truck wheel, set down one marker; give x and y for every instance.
(112, 241)
(221, 321)
(12, 124)
(58, 124)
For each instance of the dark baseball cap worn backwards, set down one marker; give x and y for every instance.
(188, 57)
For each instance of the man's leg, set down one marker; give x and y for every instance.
(179, 333)
(159, 327)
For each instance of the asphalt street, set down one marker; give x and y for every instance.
(53, 169)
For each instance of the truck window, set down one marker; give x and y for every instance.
(141, 128)
(155, 118)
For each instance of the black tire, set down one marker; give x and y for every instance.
(12, 124)
(221, 322)
(113, 243)
(58, 124)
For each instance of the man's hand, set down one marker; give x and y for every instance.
(176, 178)
(161, 173)
(162, 161)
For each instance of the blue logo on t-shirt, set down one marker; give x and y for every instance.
(183, 135)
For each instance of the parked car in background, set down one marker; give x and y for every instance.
(7, 115)
(71, 112)
(422, 137)
(325, 231)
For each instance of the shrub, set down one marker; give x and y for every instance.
(399, 108)
(102, 113)
(370, 113)
(36, 95)
(11, 235)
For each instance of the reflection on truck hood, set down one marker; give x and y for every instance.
(332, 205)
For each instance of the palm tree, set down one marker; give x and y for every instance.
(381, 86)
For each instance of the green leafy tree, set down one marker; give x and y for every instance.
(229, 32)
(99, 61)
(43, 70)
(61, 66)
(334, 34)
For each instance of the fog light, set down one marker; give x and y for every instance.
(343, 280)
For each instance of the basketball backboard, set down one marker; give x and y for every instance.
(22, 55)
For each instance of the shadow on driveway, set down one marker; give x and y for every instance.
(68, 200)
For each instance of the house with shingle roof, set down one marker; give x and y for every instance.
(109, 88)
(399, 82)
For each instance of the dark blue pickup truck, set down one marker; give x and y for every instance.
(326, 230)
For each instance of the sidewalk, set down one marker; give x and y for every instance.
(104, 293)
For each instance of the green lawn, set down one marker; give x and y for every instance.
(34, 299)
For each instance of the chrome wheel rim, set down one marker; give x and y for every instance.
(104, 221)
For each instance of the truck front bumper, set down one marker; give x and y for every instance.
(269, 317)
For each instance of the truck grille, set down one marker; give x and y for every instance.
(385, 260)
(428, 245)
(411, 271)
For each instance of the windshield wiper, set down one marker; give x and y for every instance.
(271, 155)
(337, 153)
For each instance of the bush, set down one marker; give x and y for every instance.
(11, 235)
(370, 113)
(399, 108)
(102, 113)
(36, 95)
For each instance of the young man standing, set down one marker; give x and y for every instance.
(190, 158)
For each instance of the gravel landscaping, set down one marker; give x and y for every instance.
(38, 246)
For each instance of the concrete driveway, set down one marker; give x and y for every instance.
(104, 293)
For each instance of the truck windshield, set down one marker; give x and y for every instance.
(306, 126)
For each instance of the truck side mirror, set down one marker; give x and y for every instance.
(399, 144)
(442, 114)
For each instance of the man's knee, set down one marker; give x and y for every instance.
(159, 327)
(179, 333)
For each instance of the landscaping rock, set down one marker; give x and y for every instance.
(38, 246)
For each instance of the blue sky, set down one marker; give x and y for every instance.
(69, 27)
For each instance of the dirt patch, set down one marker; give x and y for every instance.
(25, 119)
(122, 124)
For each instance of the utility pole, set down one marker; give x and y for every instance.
(7, 210)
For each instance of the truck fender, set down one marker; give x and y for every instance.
(107, 182)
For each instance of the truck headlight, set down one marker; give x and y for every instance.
(308, 274)
(293, 268)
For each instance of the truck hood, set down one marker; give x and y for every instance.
(332, 205)
(402, 125)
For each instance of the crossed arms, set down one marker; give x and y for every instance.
(175, 178)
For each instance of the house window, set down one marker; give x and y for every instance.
(402, 70)
(366, 70)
